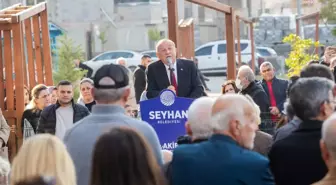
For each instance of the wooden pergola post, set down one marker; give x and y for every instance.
(186, 39)
(20, 27)
(316, 16)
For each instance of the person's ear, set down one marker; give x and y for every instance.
(234, 127)
(188, 129)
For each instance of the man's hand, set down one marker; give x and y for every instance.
(274, 110)
(172, 88)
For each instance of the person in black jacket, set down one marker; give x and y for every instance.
(57, 118)
(139, 77)
(249, 85)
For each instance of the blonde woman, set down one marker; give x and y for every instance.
(43, 155)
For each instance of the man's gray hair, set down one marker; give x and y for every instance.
(308, 94)
(247, 72)
(199, 117)
(120, 59)
(329, 134)
(108, 95)
(162, 41)
(268, 64)
(221, 120)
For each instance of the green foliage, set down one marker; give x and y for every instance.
(328, 12)
(67, 52)
(103, 37)
(154, 34)
(299, 55)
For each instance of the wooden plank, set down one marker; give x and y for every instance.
(22, 7)
(253, 47)
(2, 84)
(172, 21)
(238, 41)
(30, 11)
(246, 21)
(7, 26)
(12, 144)
(29, 44)
(213, 5)
(5, 16)
(230, 47)
(8, 70)
(10, 8)
(308, 16)
(13, 11)
(19, 78)
(46, 49)
(38, 56)
(9, 114)
(5, 20)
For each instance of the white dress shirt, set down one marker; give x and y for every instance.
(175, 72)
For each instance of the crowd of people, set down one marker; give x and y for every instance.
(272, 131)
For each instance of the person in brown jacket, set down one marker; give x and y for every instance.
(328, 150)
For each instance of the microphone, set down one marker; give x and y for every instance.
(170, 63)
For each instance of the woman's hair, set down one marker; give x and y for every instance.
(88, 80)
(230, 82)
(38, 180)
(43, 155)
(123, 157)
(35, 93)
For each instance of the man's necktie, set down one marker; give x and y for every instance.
(173, 79)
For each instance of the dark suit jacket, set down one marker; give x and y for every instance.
(279, 87)
(139, 81)
(218, 161)
(296, 159)
(188, 81)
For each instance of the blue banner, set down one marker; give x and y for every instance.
(167, 114)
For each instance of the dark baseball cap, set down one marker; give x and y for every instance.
(118, 73)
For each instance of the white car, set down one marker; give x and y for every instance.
(109, 57)
(152, 54)
(212, 57)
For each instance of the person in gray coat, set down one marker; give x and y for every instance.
(111, 91)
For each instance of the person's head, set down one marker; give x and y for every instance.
(121, 61)
(111, 85)
(198, 125)
(129, 110)
(244, 77)
(235, 116)
(312, 98)
(291, 82)
(267, 71)
(317, 70)
(64, 92)
(122, 154)
(318, 62)
(328, 141)
(43, 155)
(53, 94)
(229, 87)
(166, 48)
(329, 53)
(146, 60)
(85, 87)
(40, 97)
(26, 95)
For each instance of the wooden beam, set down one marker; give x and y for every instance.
(213, 5)
(46, 48)
(238, 40)
(230, 47)
(246, 21)
(172, 21)
(312, 15)
(10, 8)
(30, 12)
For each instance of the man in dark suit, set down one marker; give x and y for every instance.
(226, 157)
(140, 77)
(178, 75)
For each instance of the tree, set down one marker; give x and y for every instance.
(299, 55)
(328, 12)
(67, 52)
(154, 34)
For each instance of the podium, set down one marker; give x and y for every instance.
(167, 114)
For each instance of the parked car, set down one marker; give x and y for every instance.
(109, 57)
(212, 57)
(152, 54)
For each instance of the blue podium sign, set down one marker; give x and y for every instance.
(167, 114)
